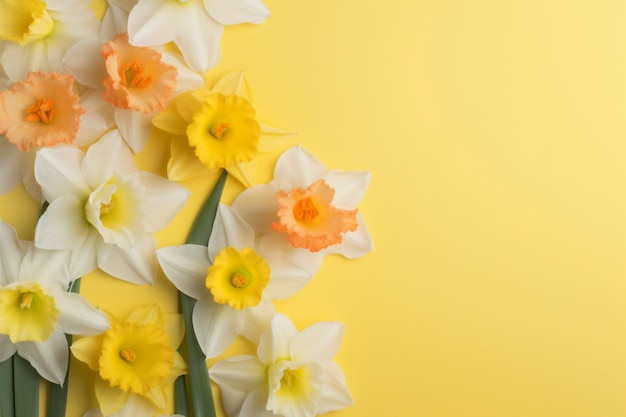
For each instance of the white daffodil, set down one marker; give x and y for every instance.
(293, 374)
(195, 26)
(132, 84)
(234, 281)
(103, 209)
(308, 209)
(35, 34)
(36, 309)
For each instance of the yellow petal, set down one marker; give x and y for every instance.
(148, 314)
(87, 350)
(234, 83)
(110, 399)
(174, 326)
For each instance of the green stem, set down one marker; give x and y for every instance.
(26, 387)
(198, 378)
(7, 404)
(57, 396)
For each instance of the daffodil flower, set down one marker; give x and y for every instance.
(195, 26)
(40, 111)
(136, 360)
(35, 34)
(216, 128)
(103, 209)
(308, 209)
(293, 374)
(234, 281)
(36, 309)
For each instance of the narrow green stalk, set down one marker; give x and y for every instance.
(198, 378)
(7, 405)
(180, 397)
(26, 387)
(57, 395)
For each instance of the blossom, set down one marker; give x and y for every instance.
(136, 359)
(234, 281)
(135, 82)
(293, 374)
(219, 126)
(34, 34)
(40, 111)
(103, 209)
(308, 209)
(36, 309)
(195, 26)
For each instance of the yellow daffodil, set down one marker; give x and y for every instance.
(220, 127)
(136, 357)
(36, 309)
(293, 374)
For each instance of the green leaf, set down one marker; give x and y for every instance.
(57, 397)
(198, 378)
(26, 387)
(7, 406)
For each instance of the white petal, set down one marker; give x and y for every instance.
(58, 172)
(78, 316)
(97, 119)
(63, 225)
(115, 21)
(186, 267)
(155, 22)
(85, 62)
(109, 156)
(84, 261)
(256, 320)
(199, 38)
(135, 127)
(11, 254)
(12, 161)
(49, 358)
(287, 277)
(297, 167)
(163, 199)
(276, 244)
(216, 326)
(258, 207)
(7, 348)
(187, 78)
(137, 265)
(229, 230)
(48, 267)
(355, 244)
(317, 343)
(243, 373)
(17, 60)
(274, 343)
(350, 187)
(232, 12)
(232, 400)
(255, 404)
(334, 394)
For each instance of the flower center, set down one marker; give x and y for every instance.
(134, 75)
(25, 21)
(237, 278)
(42, 111)
(135, 357)
(305, 211)
(28, 313)
(128, 355)
(219, 129)
(224, 117)
(310, 219)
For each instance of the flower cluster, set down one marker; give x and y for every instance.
(80, 96)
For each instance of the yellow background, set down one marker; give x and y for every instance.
(495, 133)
